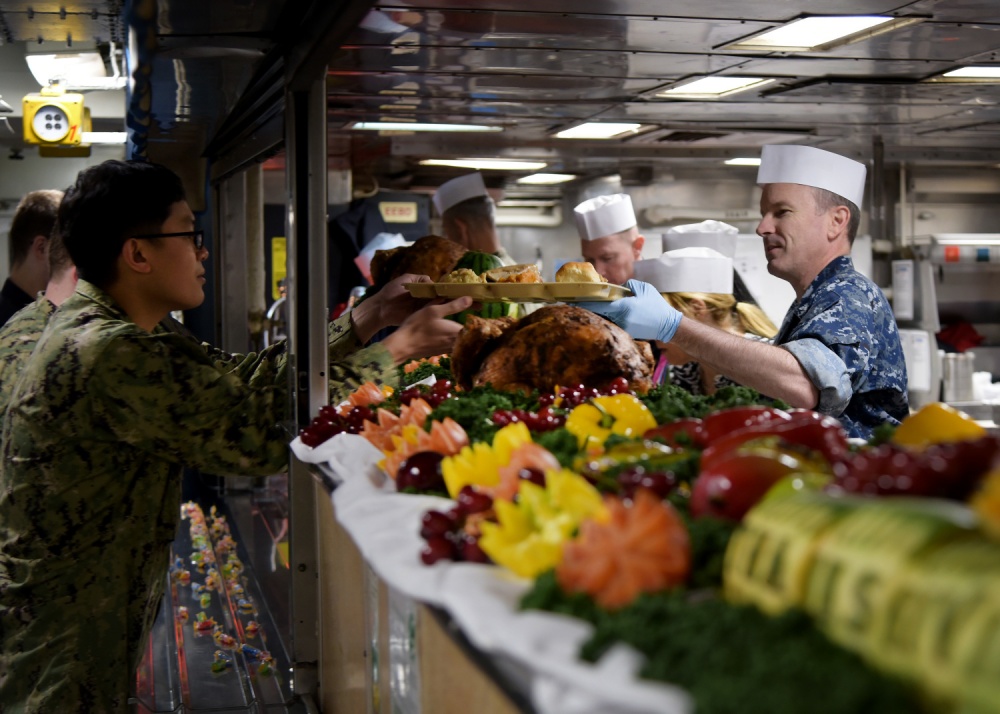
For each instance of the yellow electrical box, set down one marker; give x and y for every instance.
(53, 117)
(77, 151)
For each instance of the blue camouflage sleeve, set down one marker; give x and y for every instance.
(833, 343)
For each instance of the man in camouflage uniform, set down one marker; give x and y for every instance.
(29, 245)
(19, 335)
(105, 413)
(838, 349)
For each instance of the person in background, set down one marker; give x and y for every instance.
(711, 234)
(609, 236)
(468, 215)
(29, 246)
(19, 335)
(838, 349)
(698, 282)
(106, 412)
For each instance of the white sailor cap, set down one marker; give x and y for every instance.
(688, 270)
(707, 234)
(603, 216)
(809, 166)
(453, 192)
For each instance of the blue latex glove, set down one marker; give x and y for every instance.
(645, 316)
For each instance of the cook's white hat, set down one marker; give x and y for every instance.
(453, 192)
(707, 234)
(688, 270)
(602, 216)
(809, 166)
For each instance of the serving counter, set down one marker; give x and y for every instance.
(382, 651)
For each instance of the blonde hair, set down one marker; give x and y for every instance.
(727, 314)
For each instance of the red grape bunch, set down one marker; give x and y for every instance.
(328, 423)
(433, 395)
(950, 470)
(446, 533)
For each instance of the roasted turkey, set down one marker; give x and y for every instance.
(556, 345)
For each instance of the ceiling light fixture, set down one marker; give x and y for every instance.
(487, 164)
(546, 179)
(418, 126)
(714, 87)
(598, 130)
(817, 34)
(980, 72)
(743, 162)
(66, 67)
(527, 203)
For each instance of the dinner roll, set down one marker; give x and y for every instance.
(578, 272)
(521, 273)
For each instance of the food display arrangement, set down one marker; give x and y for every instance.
(210, 650)
(658, 551)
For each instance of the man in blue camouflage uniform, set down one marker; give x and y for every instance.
(838, 350)
(105, 413)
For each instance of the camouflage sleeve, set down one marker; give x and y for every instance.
(267, 366)
(163, 395)
(343, 338)
(833, 343)
(371, 364)
(264, 367)
(826, 371)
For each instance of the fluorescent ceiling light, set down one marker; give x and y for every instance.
(546, 178)
(597, 130)
(980, 72)
(103, 137)
(712, 87)
(821, 33)
(743, 162)
(417, 126)
(495, 164)
(526, 203)
(66, 67)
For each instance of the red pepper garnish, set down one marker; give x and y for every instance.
(807, 429)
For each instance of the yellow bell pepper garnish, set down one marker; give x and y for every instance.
(529, 536)
(479, 464)
(986, 503)
(936, 423)
(592, 423)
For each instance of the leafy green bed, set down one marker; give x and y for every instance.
(732, 659)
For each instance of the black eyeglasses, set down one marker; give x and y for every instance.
(197, 236)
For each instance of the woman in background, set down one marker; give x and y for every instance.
(699, 283)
